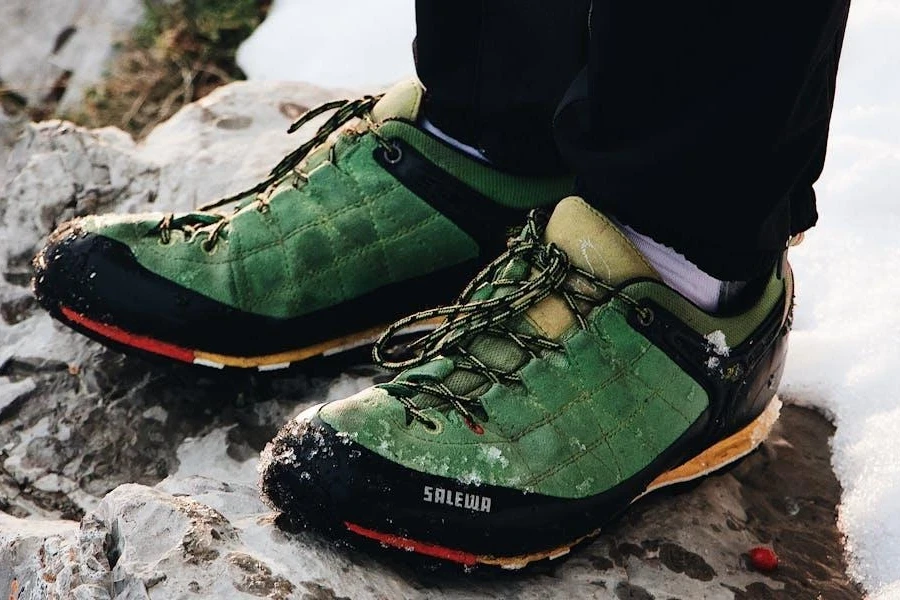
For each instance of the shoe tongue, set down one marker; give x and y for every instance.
(402, 102)
(593, 243)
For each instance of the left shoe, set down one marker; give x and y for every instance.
(567, 382)
(369, 220)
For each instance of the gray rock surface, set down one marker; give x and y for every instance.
(125, 480)
(197, 537)
(60, 46)
(57, 391)
(52, 51)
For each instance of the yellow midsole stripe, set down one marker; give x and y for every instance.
(290, 355)
(725, 452)
(298, 355)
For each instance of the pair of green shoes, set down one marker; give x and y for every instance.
(565, 381)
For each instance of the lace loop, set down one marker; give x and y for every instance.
(344, 112)
(549, 272)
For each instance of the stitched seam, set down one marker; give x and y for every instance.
(336, 266)
(295, 232)
(288, 265)
(301, 229)
(604, 438)
(581, 398)
(237, 273)
(386, 264)
(332, 233)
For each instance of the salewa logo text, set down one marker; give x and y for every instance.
(458, 499)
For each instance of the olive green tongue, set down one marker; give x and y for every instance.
(402, 102)
(593, 243)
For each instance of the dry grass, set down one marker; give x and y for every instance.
(181, 52)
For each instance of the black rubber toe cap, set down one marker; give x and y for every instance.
(318, 477)
(97, 277)
(100, 279)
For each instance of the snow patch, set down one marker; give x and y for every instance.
(717, 344)
(494, 455)
(844, 354)
(352, 43)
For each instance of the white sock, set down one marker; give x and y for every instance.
(451, 141)
(682, 275)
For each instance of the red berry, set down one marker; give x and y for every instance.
(763, 559)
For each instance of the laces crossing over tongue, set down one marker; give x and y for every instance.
(461, 337)
(214, 223)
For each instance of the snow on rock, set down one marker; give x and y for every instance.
(51, 44)
(845, 356)
(350, 43)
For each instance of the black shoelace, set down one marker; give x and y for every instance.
(552, 273)
(213, 223)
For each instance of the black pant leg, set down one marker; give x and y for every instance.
(495, 71)
(703, 124)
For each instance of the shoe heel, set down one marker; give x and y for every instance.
(725, 452)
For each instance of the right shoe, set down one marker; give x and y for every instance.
(567, 381)
(371, 219)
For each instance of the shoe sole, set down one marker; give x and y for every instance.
(714, 458)
(118, 337)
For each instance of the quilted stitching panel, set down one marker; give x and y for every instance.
(351, 229)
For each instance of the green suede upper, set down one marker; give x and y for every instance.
(345, 229)
(583, 418)
(573, 429)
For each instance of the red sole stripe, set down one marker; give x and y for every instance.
(129, 339)
(396, 541)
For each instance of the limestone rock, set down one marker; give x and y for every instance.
(59, 392)
(125, 480)
(48, 46)
(201, 538)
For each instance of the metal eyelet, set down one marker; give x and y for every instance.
(209, 248)
(437, 428)
(645, 316)
(393, 154)
(169, 239)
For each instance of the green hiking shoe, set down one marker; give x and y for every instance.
(362, 224)
(566, 382)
